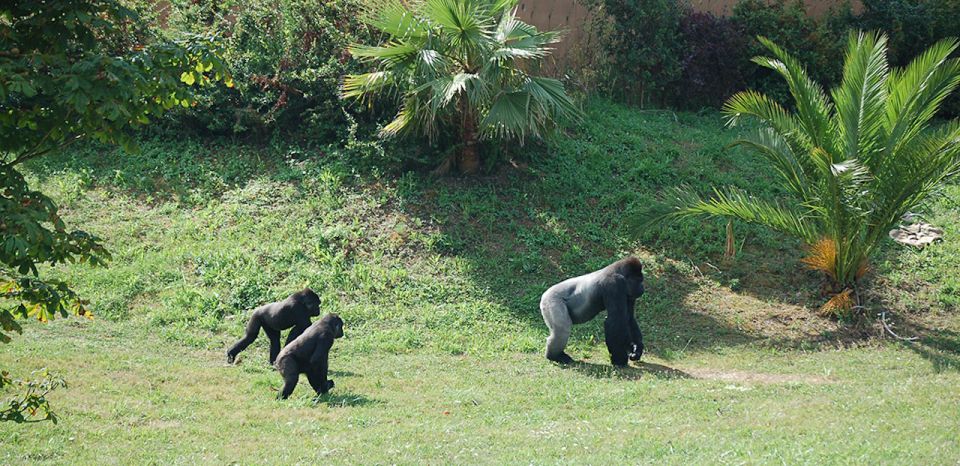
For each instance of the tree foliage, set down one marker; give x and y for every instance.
(461, 64)
(73, 69)
(853, 161)
(76, 68)
(287, 58)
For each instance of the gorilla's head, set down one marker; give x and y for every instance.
(632, 270)
(335, 324)
(311, 300)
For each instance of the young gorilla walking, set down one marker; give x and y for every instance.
(309, 354)
(295, 311)
(615, 288)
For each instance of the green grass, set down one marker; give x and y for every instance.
(162, 404)
(438, 281)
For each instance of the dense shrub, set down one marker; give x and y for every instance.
(288, 58)
(587, 64)
(912, 26)
(710, 71)
(645, 46)
(787, 23)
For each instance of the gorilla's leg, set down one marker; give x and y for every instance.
(558, 320)
(290, 371)
(274, 336)
(319, 381)
(253, 329)
(294, 333)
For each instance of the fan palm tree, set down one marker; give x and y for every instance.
(460, 63)
(853, 161)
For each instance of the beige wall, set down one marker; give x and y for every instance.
(552, 15)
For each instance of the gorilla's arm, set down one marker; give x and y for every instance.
(617, 325)
(317, 375)
(320, 353)
(302, 323)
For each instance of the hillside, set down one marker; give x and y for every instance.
(438, 281)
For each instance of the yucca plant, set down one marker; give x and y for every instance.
(461, 64)
(853, 161)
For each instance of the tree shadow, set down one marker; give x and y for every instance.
(519, 241)
(941, 347)
(633, 372)
(166, 168)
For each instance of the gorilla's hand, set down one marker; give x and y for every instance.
(636, 351)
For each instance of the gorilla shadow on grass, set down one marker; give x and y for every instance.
(635, 371)
(340, 399)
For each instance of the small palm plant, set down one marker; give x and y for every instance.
(460, 63)
(853, 162)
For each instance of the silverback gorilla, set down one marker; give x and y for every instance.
(295, 311)
(309, 354)
(615, 288)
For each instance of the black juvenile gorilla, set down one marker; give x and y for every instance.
(295, 311)
(615, 288)
(309, 354)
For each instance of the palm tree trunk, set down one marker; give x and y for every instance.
(469, 162)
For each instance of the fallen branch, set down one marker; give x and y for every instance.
(883, 321)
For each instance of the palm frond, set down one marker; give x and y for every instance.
(839, 305)
(754, 104)
(393, 18)
(402, 121)
(775, 148)
(813, 107)
(359, 86)
(917, 90)
(499, 6)
(456, 85)
(511, 28)
(861, 97)
(732, 203)
(822, 256)
(390, 54)
(508, 116)
(549, 93)
(933, 157)
(465, 22)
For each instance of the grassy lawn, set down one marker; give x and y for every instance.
(438, 282)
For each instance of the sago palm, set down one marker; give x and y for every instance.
(854, 161)
(461, 64)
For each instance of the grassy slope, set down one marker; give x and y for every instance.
(439, 282)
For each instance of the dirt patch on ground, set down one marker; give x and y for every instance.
(724, 375)
(755, 377)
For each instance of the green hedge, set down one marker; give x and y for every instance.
(673, 56)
